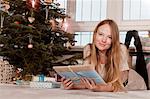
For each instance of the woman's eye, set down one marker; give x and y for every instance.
(110, 37)
(100, 33)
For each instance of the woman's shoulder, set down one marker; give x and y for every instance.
(87, 50)
(87, 46)
(123, 47)
(124, 58)
(123, 50)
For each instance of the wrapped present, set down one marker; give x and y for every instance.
(42, 78)
(6, 72)
(49, 84)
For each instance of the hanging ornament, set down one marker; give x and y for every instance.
(59, 20)
(21, 47)
(30, 25)
(48, 1)
(31, 19)
(1, 23)
(17, 22)
(47, 9)
(1, 45)
(7, 6)
(68, 45)
(33, 4)
(4, 6)
(73, 43)
(64, 25)
(15, 46)
(18, 75)
(52, 24)
(30, 45)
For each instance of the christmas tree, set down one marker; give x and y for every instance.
(32, 34)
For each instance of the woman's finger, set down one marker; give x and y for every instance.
(88, 84)
(62, 79)
(69, 86)
(66, 81)
(84, 82)
(92, 82)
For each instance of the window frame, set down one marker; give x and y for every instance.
(112, 5)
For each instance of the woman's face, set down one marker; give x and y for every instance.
(103, 38)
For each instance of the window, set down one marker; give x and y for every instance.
(136, 9)
(141, 34)
(85, 14)
(83, 38)
(90, 10)
(128, 14)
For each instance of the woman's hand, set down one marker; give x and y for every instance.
(90, 84)
(67, 83)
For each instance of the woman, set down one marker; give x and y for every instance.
(109, 57)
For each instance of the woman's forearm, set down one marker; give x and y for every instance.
(103, 88)
(79, 86)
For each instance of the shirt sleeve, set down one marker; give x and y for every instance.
(124, 58)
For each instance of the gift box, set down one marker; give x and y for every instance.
(6, 72)
(49, 84)
(43, 78)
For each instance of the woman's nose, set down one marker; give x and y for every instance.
(104, 39)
